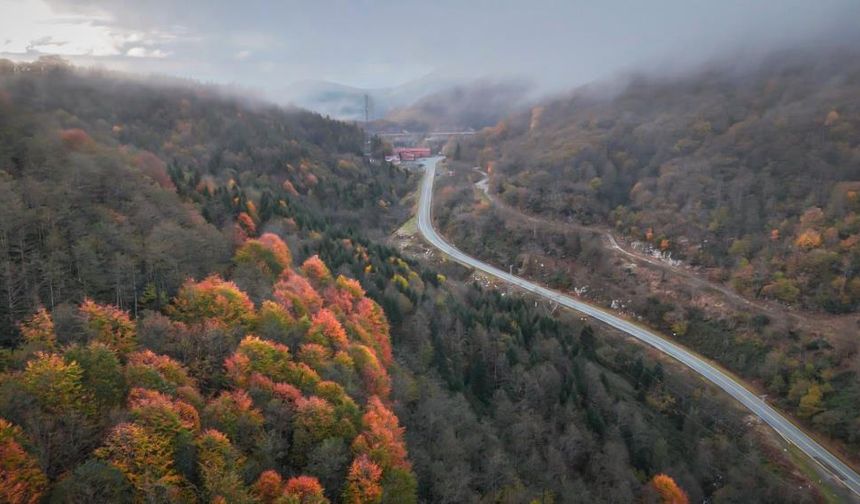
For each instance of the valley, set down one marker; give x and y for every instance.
(404, 252)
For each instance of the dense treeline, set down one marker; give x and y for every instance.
(208, 367)
(750, 173)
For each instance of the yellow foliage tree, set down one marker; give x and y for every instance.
(110, 326)
(809, 239)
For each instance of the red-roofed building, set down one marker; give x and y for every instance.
(411, 153)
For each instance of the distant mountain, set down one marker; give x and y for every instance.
(474, 105)
(344, 102)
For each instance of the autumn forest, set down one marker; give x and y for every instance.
(200, 302)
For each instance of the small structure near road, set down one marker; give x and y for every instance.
(411, 153)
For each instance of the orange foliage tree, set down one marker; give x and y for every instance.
(314, 355)
(304, 490)
(271, 489)
(315, 269)
(363, 482)
(268, 359)
(382, 439)
(158, 372)
(268, 487)
(245, 227)
(39, 329)
(809, 239)
(373, 329)
(213, 298)
(268, 253)
(669, 491)
(21, 479)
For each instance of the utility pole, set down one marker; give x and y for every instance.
(367, 137)
(366, 109)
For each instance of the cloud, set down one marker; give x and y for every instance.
(270, 43)
(143, 52)
(36, 29)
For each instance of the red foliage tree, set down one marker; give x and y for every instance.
(326, 330)
(76, 139)
(296, 294)
(161, 413)
(150, 165)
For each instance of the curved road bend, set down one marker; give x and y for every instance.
(771, 416)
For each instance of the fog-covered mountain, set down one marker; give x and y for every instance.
(347, 103)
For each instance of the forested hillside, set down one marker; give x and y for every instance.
(751, 173)
(105, 179)
(471, 106)
(197, 307)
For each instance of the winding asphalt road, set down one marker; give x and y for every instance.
(782, 425)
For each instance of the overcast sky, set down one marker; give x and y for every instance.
(269, 44)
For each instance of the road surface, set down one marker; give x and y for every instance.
(731, 386)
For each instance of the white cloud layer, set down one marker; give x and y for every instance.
(269, 44)
(32, 27)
